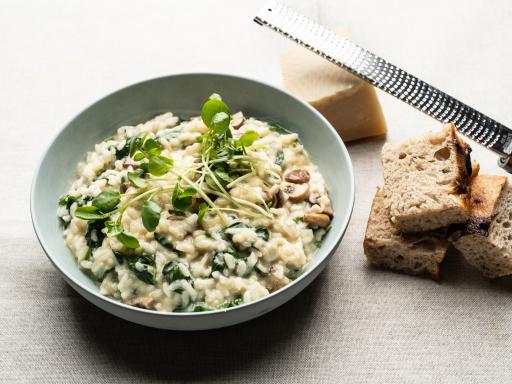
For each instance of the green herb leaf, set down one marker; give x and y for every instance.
(136, 142)
(203, 208)
(220, 122)
(114, 228)
(173, 271)
(278, 128)
(231, 303)
(94, 235)
(151, 144)
(159, 165)
(150, 215)
(128, 240)
(169, 135)
(218, 263)
(124, 151)
(166, 243)
(263, 233)
(136, 178)
(139, 156)
(215, 96)
(292, 274)
(144, 267)
(67, 200)
(102, 276)
(182, 199)
(279, 158)
(120, 256)
(213, 107)
(89, 212)
(247, 139)
(107, 200)
(298, 219)
(202, 308)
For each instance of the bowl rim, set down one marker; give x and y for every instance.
(325, 253)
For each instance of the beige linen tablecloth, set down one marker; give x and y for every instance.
(353, 324)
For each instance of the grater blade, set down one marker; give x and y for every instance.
(389, 78)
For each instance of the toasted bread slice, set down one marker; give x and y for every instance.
(426, 181)
(486, 239)
(415, 254)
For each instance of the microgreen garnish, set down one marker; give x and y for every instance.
(107, 200)
(203, 208)
(128, 240)
(182, 198)
(151, 215)
(136, 178)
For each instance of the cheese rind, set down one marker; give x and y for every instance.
(350, 104)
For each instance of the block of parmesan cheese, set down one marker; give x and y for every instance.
(350, 104)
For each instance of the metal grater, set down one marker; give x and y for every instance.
(389, 78)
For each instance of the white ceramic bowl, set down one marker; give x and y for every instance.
(184, 95)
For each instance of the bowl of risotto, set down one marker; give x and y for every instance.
(193, 201)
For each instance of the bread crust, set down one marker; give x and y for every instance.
(464, 166)
(485, 192)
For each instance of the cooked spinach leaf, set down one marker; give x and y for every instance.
(279, 158)
(278, 128)
(120, 256)
(67, 200)
(202, 308)
(94, 236)
(172, 271)
(144, 267)
(168, 135)
(218, 262)
(124, 151)
(231, 303)
(166, 243)
(102, 277)
(293, 273)
(263, 233)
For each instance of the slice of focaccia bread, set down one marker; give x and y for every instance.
(426, 181)
(486, 239)
(414, 253)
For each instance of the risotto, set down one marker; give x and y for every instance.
(198, 214)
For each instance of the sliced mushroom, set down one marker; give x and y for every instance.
(141, 302)
(176, 218)
(128, 163)
(273, 281)
(297, 176)
(295, 192)
(315, 198)
(328, 210)
(317, 219)
(237, 120)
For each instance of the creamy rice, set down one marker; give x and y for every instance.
(248, 244)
